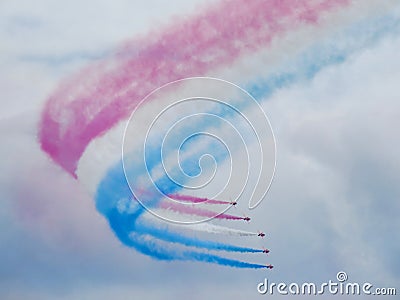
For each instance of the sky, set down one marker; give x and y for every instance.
(333, 205)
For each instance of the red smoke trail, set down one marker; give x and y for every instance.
(193, 199)
(192, 210)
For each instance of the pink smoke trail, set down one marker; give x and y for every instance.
(192, 210)
(193, 199)
(92, 102)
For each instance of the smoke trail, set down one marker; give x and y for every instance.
(194, 199)
(132, 233)
(212, 228)
(167, 235)
(93, 102)
(152, 248)
(192, 210)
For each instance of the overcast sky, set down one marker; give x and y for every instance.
(333, 206)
